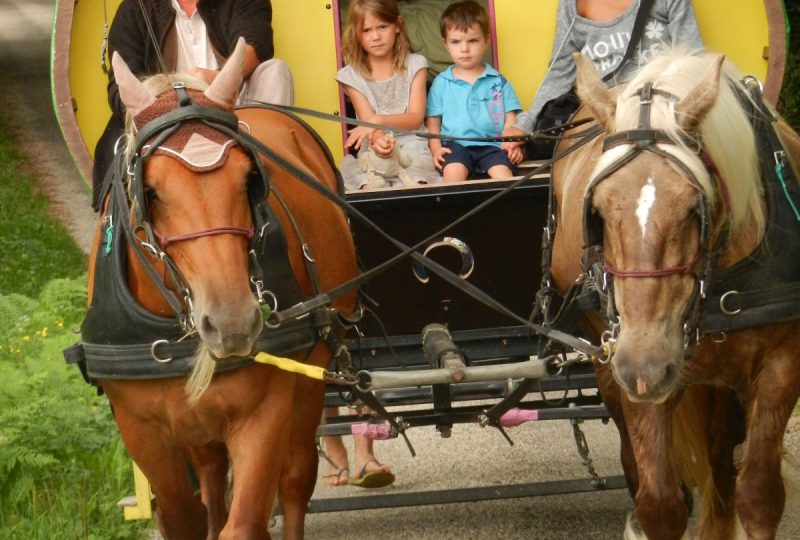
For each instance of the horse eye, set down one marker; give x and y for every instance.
(150, 195)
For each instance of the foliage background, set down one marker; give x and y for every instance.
(62, 464)
(789, 104)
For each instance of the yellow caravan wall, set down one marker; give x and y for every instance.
(304, 38)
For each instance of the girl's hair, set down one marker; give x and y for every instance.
(354, 55)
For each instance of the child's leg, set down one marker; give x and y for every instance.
(500, 171)
(457, 164)
(455, 172)
(338, 470)
(494, 160)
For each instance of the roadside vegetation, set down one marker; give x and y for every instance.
(62, 463)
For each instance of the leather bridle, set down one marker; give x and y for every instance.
(641, 140)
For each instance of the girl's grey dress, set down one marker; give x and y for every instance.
(390, 97)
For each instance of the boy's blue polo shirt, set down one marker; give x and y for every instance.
(472, 110)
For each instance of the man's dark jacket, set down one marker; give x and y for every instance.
(226, 21)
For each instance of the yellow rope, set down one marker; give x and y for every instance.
(287, 364)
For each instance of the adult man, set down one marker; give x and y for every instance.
(194, 37)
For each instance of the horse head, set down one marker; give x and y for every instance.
(193, 196)
(656, 207)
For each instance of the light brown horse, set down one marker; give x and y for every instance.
(672, 196)
(257, 419)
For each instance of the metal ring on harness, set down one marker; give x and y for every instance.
(155, 344)
(722, 307)
(467, 259)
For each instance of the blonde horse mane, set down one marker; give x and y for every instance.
(727, 133)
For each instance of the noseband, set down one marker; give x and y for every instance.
(646, 139)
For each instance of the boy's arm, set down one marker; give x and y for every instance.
(438, 151)
(514, 149)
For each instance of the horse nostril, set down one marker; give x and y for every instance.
(670, 372)
(208, 331)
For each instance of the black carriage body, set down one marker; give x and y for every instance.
(504, 240)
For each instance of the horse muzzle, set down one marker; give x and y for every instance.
(647, 372)
(230, 334)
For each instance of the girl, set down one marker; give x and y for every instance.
(385, 82)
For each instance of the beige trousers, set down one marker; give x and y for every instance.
(270, 82)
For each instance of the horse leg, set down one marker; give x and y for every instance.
(610, 392)
(659, 503)
(760, 492)
(299, 476)
(210, 463)
(258, 447)
(726, 430)
(181, 515)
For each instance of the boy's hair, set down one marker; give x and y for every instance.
(462, 15)
(352, 52)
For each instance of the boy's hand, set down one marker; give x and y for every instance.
(438, 156)
(357, 135)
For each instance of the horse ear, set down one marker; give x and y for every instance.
(693, 107)
(132, 92)
(593, 92)
(226, 86)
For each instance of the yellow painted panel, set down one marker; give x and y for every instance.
(525, 32)
(86, 77)
(304, 39)
(739, 29)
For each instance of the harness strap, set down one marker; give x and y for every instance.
(325, 298)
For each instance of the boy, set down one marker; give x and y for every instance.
(470, 99)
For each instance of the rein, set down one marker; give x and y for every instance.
(227, 123)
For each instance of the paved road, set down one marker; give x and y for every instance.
(472, 457)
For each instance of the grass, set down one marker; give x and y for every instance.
(35, 248)
(62, 463)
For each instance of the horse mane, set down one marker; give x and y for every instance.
(726, 131)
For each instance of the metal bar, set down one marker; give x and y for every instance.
(467, 415)
(384, 380)
(484, 493)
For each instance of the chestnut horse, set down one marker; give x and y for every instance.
(195, 215)
(660, 212)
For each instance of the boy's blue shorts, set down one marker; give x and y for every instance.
(477, 159)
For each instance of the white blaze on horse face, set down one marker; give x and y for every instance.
(647, 197)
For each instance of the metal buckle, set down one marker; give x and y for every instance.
(158, 359)
(722, 307)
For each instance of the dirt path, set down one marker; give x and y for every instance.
(27, 111)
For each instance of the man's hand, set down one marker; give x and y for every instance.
(207, 75)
